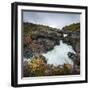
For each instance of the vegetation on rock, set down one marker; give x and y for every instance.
(73, 27)
(38, 67)
(38, 39)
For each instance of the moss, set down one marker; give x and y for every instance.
(72, 27)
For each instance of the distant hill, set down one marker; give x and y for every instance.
(32, 28)
(72, 27)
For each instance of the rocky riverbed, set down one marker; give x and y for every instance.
(38, 39)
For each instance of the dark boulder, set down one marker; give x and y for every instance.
(72, 56)
(28, 53)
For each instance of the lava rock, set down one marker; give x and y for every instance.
(72, 56)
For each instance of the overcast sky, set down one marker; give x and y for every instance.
(57, 20)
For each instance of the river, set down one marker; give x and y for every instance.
(58, 56)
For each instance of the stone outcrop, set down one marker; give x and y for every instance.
(40, 40)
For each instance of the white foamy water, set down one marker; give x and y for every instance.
(26, 59)
(58, 56)
(65, 35)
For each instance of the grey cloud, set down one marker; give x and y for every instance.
(57, 20)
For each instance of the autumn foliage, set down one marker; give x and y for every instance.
(38, 67)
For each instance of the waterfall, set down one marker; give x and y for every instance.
(58, 56)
